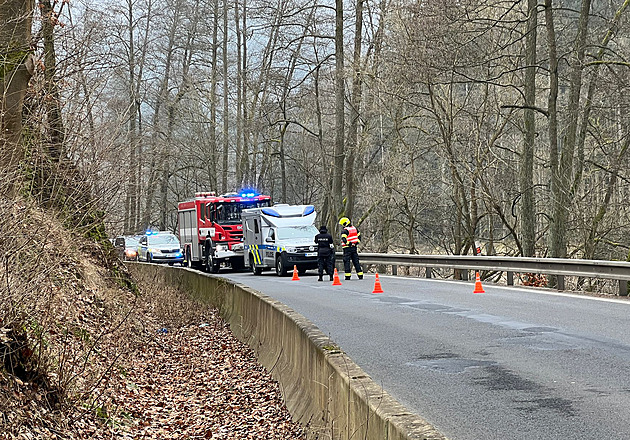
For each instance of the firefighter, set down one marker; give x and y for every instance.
(325, 252)
(350, 238)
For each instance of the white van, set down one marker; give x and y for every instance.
(280, 237)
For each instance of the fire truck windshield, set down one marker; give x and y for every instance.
(230, 212)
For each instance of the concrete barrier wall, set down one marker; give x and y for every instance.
(323, 388)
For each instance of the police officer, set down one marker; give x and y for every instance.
(350, 238)
(325, 252)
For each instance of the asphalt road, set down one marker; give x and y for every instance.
(506, 364)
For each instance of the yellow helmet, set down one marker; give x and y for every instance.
(344, 221)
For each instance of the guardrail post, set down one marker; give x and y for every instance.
(510, 278)
(560, 279)
(623, 288)
(394, 269)
(428, 271)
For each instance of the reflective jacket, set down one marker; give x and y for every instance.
(350, 236)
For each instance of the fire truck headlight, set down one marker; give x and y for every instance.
(237, 247)
(221, 248)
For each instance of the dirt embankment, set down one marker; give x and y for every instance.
(86, 354)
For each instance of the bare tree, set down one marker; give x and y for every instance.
(526, 172)
(340, 118)
(16, 70)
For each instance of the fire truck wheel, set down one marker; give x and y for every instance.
(281, 270)
(213, 266)
(188, 260)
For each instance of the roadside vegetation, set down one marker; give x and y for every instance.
(87, 354)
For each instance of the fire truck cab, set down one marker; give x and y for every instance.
(211, 230)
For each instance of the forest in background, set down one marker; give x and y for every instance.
(439, 126)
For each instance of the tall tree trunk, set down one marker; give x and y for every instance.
(260, 90)
(158, 154)
(226, 120)
(213, 98)
(339, 149)
(53, 103)
(132, 221)
(526, 172)
(132, 188)
(552, 101)
(239, 95)
(355, 109)
(244, 159)
(561, 192)
(16, 69)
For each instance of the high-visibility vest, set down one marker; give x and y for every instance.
(353, 235)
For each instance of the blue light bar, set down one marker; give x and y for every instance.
(248, 193)
(308, 210)
(270, 212)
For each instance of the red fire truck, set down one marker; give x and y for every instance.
(211, 230)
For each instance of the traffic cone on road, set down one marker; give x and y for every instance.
(295, 274)
(336, 280)
(478, 286)
(377, 286)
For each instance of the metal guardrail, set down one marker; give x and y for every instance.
(616, 270)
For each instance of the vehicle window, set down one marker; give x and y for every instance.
(203, 211)
(230, 212)
(256, 226)
(143, 240)
(271, 234)
(131, 242)
(292, 232)
(163, 239)
(119, 242)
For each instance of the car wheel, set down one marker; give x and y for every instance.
(281, 269)
(252, 266)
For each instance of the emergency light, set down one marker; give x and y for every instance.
(248, 193)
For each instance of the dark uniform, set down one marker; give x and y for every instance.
(325, 253)
(350, 238)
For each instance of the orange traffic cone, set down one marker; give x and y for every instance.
(336, 280)
(377, 286)
(295, 274)
(478, 286)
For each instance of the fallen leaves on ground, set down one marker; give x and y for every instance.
(196, 382)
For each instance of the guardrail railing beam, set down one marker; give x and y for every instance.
(560, 268)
